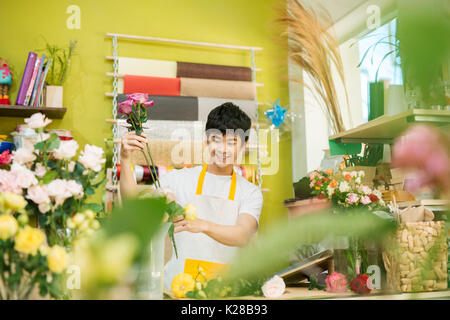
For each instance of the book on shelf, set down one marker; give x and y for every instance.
(33, 79)
(38, 101)
(37, 82)
(27, 74)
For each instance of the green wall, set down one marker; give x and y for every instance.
(27, 22)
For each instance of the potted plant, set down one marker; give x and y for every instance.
(57, 73)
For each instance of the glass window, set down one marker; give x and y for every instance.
(372, 51)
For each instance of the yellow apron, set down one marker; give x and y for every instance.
(198, 248)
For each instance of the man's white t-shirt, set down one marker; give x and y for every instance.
(183, 182)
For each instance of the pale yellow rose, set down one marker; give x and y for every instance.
(190, 212)
(28, 240)
(8, 226)
(78, 218)
(57, 259)
(14, 201)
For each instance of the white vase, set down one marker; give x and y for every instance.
(150, 284)
(54, 96)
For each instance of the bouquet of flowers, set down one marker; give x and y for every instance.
(345, 189)
(55, 185)
(27, 262)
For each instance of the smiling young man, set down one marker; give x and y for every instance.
(228, 206)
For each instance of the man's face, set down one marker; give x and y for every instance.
(225, 149)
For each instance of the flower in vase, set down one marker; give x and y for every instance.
(362, 284)
(38, 194)
(37, 120)
(58, 190)
(25, 178)
(66, 150)
(8, 182)
(336, 282)
(8, 226)
(28, 240)
(92, 157)
(23, 156)
(5, 157)
(274, 287)
(57, 259)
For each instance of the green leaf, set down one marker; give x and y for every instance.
(49, 176)
(53, 141)
(89, 191)
(39, 145)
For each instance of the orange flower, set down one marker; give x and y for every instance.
(348, 177)
(333, 184)
(329, 171)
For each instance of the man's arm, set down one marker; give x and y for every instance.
(235, 236)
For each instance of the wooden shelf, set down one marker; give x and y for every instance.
(386, 128)
(26, 111)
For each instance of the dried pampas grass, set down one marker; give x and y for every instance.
(314, 49)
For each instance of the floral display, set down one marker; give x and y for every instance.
(336, 282)
(345, 189)
(28, 261)
(55, 185)
(362, 284)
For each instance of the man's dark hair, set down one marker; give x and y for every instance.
(228, 116)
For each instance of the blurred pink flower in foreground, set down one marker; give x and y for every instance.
(426, 150)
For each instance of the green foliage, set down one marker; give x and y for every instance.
(373, 154)
(60, 57)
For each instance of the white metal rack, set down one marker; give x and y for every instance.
(116, 76)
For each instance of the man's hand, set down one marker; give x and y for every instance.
(131, 141)
(196, 226)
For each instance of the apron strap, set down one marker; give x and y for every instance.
(201, 179)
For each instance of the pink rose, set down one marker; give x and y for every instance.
(24, 177)
(138, 97)
(8, 182)
(66, 150)
(336, 282)
(125, 107)
(38, 194)
(5, 157)
(37, 120)
(365, 200)
(23, 155)
(274, 287)
(148, 104)
(92, 158)
(44, 207)
(352, 198)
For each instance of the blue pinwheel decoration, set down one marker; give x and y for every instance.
(277, 114)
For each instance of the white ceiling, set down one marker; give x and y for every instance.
(336, 8)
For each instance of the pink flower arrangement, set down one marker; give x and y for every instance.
(426, 150)
(135, 99)
(336, 282)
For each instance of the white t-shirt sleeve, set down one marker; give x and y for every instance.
(253, 202)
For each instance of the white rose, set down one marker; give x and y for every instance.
(74, 188)
(24, 177)
(37, 120)
(66, 150)
(344, 187)
(92, 158)
(358, 180)
(365, 189)
(57, 189)
(71, 166)
(38, 194)
(44, 207)
(39, 170)
(274, 287)
(23, 155)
